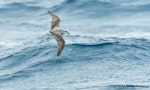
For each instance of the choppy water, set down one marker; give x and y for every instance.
(108, 47)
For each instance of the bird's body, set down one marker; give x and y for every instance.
(57, 32)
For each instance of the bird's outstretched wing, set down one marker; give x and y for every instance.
(55, 20)
(61, 43)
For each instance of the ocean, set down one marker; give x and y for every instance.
(108, 47)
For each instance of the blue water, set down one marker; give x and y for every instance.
(108, 47)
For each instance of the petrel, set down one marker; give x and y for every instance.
(57, 32)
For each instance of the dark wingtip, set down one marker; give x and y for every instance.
(58, 55)
(49, 12)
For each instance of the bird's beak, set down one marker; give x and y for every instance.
(67, 32)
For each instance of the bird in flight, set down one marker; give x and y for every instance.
(57, 32)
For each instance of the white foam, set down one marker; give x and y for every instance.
(9, 44)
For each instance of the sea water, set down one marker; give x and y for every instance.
(108, 47)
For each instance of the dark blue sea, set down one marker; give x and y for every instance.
(108, 47)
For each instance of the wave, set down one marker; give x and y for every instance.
(128, 86)
(21, 7)
(105, 35)
(41, 56)
(99, 8)
(93, 45)
(42, 47)
(111, 44)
